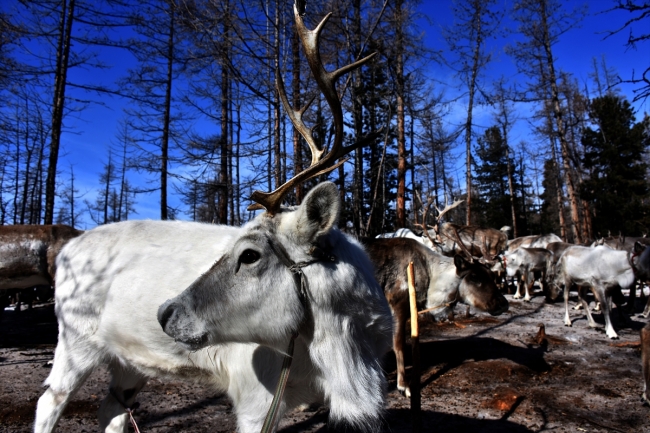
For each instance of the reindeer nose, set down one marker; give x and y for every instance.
(166, 311)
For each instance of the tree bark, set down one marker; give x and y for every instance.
(61, 73)
(164, 145)
(558, 188)
(277, 154)
(512, 190)
(222, 213)
(357, 115)
(559, 123)
(401, 135)
(470, 107)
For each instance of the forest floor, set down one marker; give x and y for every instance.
(479, 374)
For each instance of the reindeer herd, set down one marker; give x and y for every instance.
(286, 296)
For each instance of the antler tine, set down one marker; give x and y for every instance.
(327, 83)
(425, 228)
(462, 246)
(447, 208)
(296, 119)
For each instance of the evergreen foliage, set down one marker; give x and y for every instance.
(615, 158)
(491, 181)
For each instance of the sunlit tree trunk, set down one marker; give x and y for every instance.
(61, 73)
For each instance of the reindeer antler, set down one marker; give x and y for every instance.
(425, 228)
(326, 81)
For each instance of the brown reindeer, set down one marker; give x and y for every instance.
(481, 243)
(441, 282)
(27, 254)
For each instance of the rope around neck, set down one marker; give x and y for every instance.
(272, 414)
(302, 287)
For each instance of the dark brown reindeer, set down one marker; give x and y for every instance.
(27, 255)
(480, 243)
(440, 281)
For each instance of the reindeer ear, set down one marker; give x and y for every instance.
(638, 247)
(319, 212)
(462, 265)
(352, 332)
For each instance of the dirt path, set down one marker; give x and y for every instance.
(480, 374)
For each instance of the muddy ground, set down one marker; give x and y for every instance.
(480, 374)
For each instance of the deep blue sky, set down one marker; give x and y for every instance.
(87, 150)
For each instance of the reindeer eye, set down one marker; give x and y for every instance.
(249, 256)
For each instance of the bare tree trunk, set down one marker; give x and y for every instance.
(512, 192)
(164, 145)
(277, 154)
(558, 188)
(237, 161)
(470, 108)
(231, 140)
(468, 158)
(401, 139)
(61, 73)
(357, 115)
(559, 123)
(222, 213)
(28, 163)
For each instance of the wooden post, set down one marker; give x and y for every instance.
(416, 417)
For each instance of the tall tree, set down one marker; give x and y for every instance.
(493, 174)
(475, 21)
(542, 22)
(158, 48)
(400, 23)
(614, 153)
(504, 116)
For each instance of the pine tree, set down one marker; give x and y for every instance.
(614, 155)
(491, 180)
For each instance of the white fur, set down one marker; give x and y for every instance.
(112, 280)
(444, 287)
(599, 268)
(406, 233)
(521, 263)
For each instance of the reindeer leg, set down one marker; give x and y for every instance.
(528, 282)
(605, 305)
(631, 299)
(73, 363)
(582, 292)
(124, 387)
(567, 319)
(517, 294)
(401, 313)
(646, 310)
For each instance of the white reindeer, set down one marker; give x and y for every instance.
(288, 273)
(601, 269)
(232, 323)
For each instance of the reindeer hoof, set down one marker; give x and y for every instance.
(404, 390)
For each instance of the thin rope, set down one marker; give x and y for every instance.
(271, 417)
(127, 409)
